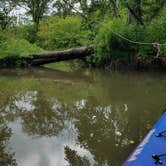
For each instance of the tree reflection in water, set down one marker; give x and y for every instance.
(102, 130)
(43, 121)
(96, 119)
(74, 159)
(6, 157)
(39, 116)
(105, 134)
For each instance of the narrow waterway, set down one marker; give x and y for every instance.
(86, 117)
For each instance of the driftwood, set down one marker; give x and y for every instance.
(49, 57)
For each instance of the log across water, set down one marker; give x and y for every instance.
(45, 58)
(150, 62)
(49, 57)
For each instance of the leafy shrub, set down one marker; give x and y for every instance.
(110, 44)
(157, 32)
(62, 33)
(3, 37)
(27, 32)
(17, 47)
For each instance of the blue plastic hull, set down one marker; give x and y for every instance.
(151, 144)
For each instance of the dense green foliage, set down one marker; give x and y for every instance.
(56, 33)
(105, 24)
(12, 46)
(110, 42)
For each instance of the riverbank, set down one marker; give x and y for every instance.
(156, 63)
(130, 47)
(133, 64)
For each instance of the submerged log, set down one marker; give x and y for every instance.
(50, 57)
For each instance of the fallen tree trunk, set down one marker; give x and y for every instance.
(50, 57)
(79, 53)
(47, 57)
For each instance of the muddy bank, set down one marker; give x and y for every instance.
(145, 64)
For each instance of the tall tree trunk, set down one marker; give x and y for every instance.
(115, 8)
(135, 12)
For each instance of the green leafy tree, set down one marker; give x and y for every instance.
(63, 9)
(56, 32)
(152, 8)
(134, 13)
(6, 7)
(35, 8)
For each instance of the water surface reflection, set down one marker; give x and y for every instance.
(50, 117)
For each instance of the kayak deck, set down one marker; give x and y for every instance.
(152, 150)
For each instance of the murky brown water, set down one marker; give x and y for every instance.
(81, 118)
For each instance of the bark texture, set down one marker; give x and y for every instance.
(49, 57)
